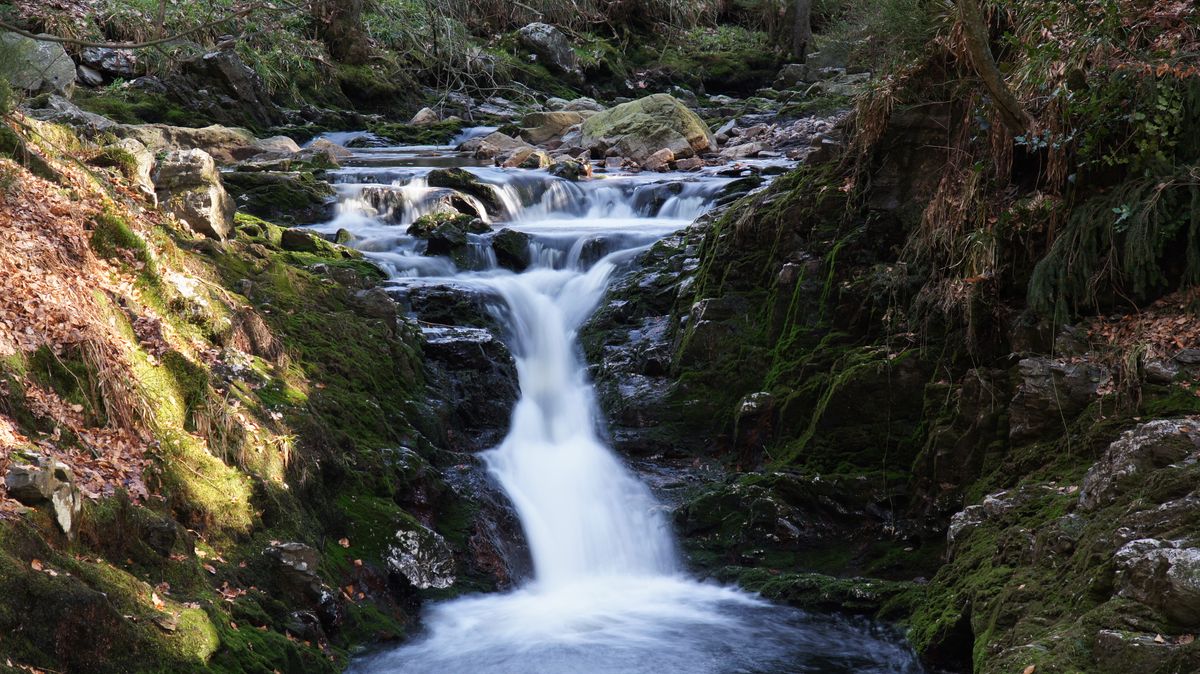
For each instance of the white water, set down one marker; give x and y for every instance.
(608, 594)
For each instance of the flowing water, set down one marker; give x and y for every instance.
(608, 593)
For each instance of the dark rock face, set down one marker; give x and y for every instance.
(298, 198)
(477, 376)
(512, 249)
(1051, 393)
(465, 182)
(121, 63)
(234, 93)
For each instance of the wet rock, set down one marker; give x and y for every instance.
(478, 379)
(297, 562)
(540, 127)
(1131, 458)
(689, 164)
(1120, 651)
(466, 182)
(189, 187)
(552, 48)
(36, 66)
(47, 482)
(121, 63)
(640, 128)
(571, 169)
(1164, 575)
(424, 117)
(512, 249)
(497, 548)
(422, 556)
(446, 233)
(1051, 393)
(304, 625)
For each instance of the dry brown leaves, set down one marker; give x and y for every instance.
(1163, 329)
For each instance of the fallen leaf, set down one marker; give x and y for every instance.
(1030, 669)
(36, 564)
(345, 542)
(1185, 639)
(210, 568)
(156, 601)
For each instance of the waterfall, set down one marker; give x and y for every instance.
(608, 594)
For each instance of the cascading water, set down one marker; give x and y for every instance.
(608, 593)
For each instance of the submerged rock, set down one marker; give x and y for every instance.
(640, 128)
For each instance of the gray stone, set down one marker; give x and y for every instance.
(36, 66)
(115, 62)
(424, 117)
(59, 110)
(583, 104)
(540, 127)
(47, 482)
(1050, 394)
(88, 77)
(640, 128)
(1162, 575)
(551, 48)
(1138, 452)
(189, 187)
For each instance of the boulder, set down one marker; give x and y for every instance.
(583, 104)
(551, 48)
(540, 127)
(189, 187)
(36, 66)
(281, 196)
(1164, 575)
(659, 161)
(466, 182)
(277, 145)
(59, 110)
(493, 145)
(225, 89)
(143, 173)
(1050, 394)
(742, 151)
(1131, 458)
(555, 103)
(446, 233)
(512, 249)
(88, 77)
(422, 556)
(47, 482)
(571, 169)
(225, 144)
(335, 152)
(121, 63)
(424, 117)
(640, 128)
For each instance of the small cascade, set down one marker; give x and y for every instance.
(608, 593)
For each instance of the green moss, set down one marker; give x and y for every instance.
(288, 197)
(111, 236)
(127, 105)
(437, 133)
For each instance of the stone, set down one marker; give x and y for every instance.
(468, 183)
(512, 249)
(1050, 394)
(689, 164)
(422, 556)
(225, 144)
(47, 482)
(277, 145)
(571, 169)
(1120, 651)
(1129, 460)
(424, 117)
(59, 110)
(282, 197)
(143, 176)
(552, 49)
(725, 132)
(1163, 575)
(640, 128)
(227, 90)
(742, 151)
(88, 77)
(189, 187)
(493, 145)
(583, 104)
(659, 161)
(555, 103)
(446, 233)
(37, 66)
(301, 240)
(331, 149)
(121, 63)
(539, 127)
(791, 75)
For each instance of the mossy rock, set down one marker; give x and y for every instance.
(437, 133)
(466, 182)
(298, 197)
(446, 233)
(640, 128)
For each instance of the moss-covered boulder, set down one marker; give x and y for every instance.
(468, 183)
(36, 66)
(446, 233)
(512, 249)
(190, 188)
(640, 128)
(288, 197)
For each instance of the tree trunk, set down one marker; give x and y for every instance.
(801, 30)
(975, 31)
(340, 25)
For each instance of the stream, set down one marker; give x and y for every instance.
(609, 592)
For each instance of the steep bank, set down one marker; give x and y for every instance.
(954, 355)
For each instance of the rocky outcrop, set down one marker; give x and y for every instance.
(640, 128)
(36, 66)
(225, 144)
(1051, 393)
(234, 94)
(122, 63)
(422, 556)
(1129, 461)
(552, 48)
(478, 376)
(189, 187)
